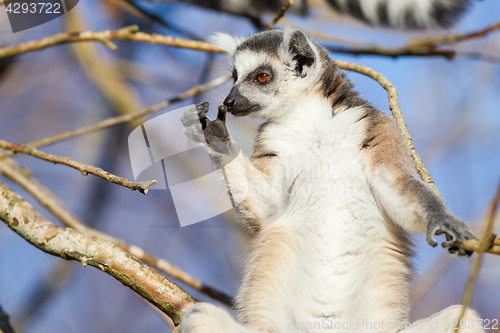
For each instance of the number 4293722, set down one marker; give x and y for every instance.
(33, 8)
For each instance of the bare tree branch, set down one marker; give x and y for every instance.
(83, 168)
(70, 244)
(426, 47)
(49, 200)
(417, 47)
(104, 37)
(279, 15)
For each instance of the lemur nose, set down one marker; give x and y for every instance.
(229, 102)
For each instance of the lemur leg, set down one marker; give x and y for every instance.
(208, 318)
(249, 189)
(446, 321)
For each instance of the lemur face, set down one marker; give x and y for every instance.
(258, 83)
(272, 71)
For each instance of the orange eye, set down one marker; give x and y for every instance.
(263, 77)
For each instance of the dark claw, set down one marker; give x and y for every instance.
(222, 113)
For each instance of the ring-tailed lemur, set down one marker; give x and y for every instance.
(403, 14)
(329, 193)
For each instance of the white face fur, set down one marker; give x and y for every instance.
(273, 72)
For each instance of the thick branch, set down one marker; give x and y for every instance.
(83, 168)
(69, 244)
(50, 201)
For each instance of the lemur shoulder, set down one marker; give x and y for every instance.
(330, 194)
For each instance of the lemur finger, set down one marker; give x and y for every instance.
(193, 114)
(431, 240)
(204, 122)
(222, 113)
(202, 106)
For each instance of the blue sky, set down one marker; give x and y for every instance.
(451, 107)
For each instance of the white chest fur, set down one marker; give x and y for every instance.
(322, 250)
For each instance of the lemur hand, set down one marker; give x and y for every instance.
(201, 129)
(456, 231)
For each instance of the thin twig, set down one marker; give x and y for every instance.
(484, 245)
(70, 244)
(444, 40)
(478, 245)
(83, 168)
(69, 37)
(113, 121)
(420, 47)
(173, 41)
(427, 47)
(279, 15)
(396, 112)
(393, 52)
(127, 33)
(49, 200)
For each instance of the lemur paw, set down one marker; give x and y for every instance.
(201, 129)
(206, 318)
(456, 232)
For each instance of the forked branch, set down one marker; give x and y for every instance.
(83, 168)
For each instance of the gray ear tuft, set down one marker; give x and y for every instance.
(299, 49)
(225, 41)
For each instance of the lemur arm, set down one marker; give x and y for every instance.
(249, 189)
(399, 191)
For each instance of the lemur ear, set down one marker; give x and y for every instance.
(225, 41)
(300, 50)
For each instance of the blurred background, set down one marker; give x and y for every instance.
(451, 107)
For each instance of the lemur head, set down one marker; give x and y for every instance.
(273, 71)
